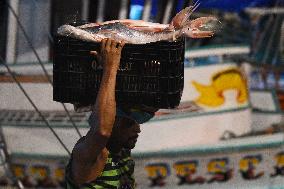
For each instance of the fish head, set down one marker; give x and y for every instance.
(201, 27)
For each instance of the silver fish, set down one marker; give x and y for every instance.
(118, 30)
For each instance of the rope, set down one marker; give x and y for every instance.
(274, 30)
(34, 106)
(40, 62)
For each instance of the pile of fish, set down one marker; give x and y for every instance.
(141, 32)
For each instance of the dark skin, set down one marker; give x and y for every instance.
(109, 133)
(124, 135)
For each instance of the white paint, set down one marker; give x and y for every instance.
(263, 100)
(266, 10)
(12, 98)
(203, 75)
(218, 51)
(261, 121)
(40, 140)
(195, 130)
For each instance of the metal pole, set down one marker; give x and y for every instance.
(12, 32)
(168, 11)
(147, 10)
(123, 9)
(101, 10)
(85, 9)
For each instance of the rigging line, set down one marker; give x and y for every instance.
(41, 64)
(271, 38)
(270, 43)
(266, 29)
(34, 106)
(7, 164)
(262, 35)
(274, 30)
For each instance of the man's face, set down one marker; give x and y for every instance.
(125, 132)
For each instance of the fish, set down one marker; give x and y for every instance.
(229, 79)
(141, 32)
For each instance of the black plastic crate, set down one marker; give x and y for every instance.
(151, 74)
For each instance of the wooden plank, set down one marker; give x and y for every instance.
(24, 79)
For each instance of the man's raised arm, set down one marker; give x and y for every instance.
(88, 152)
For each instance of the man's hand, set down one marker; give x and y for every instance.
(110, 54)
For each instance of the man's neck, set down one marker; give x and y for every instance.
(120, 152)
(114, 149)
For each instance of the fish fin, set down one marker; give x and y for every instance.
(181, 17)
(200, 34)
(189, 12)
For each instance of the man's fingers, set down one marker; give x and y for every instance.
(121, 44)
(113, 44)
(103, 43)
(108, 43)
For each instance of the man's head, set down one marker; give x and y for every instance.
(124, 134)
(126, 128)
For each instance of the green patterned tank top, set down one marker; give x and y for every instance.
(117, 174)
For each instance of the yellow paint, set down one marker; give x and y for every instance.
(244, 163)
(280, 159)
(229, 79)
(18, 171)
(59, 173)
(39, 172)
(216, 166)
(181, 169)
(153, 171)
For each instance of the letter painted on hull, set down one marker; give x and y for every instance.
(279, 167)
(186, 172)
(248, 166)
(220, 170)
(157, 172)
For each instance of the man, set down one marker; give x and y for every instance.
(101, 159)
